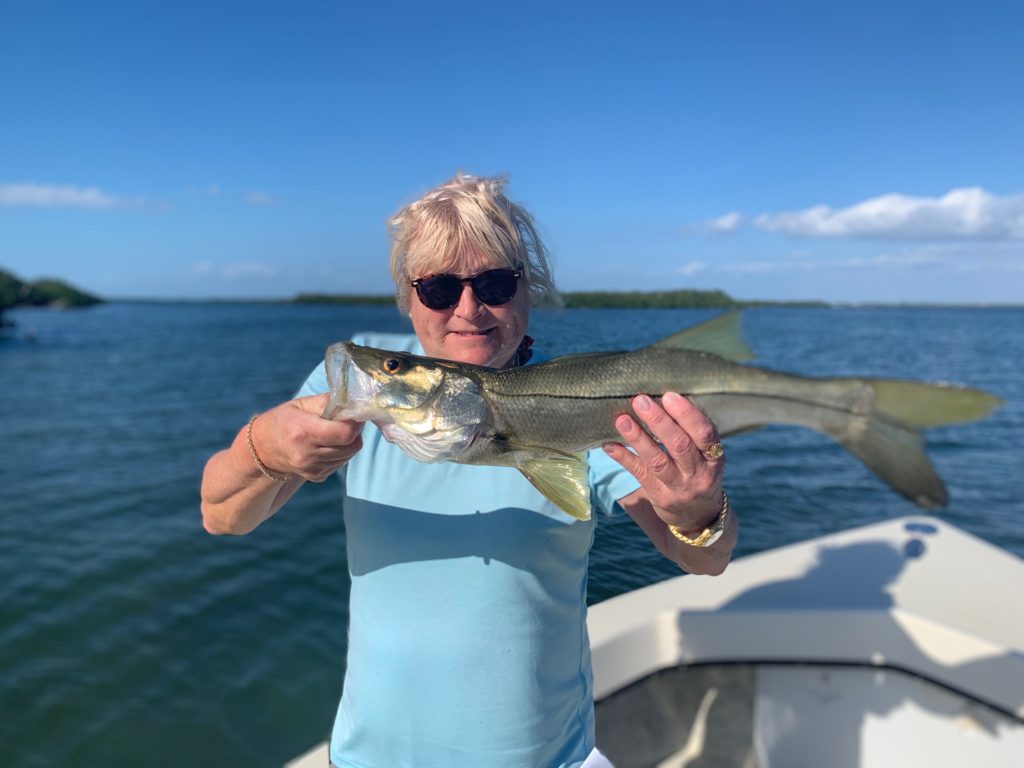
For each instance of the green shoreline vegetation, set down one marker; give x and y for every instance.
(376, 300)
(58, 294)
(680, 299)
(46, 292)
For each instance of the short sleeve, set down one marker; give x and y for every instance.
(609, 482)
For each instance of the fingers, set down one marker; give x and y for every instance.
(323, 432)
(317, 447)
(631, 461)
(293, 439)
(332, 434)
(653, 459)
(677, 425)
(698, 427)
(328, 461)
(665, 426)
(668, 453)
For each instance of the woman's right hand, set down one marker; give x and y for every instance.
(293, 439)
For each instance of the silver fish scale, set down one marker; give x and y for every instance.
(571, 403)
(518, 417)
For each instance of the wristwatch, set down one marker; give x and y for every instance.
(709, 535)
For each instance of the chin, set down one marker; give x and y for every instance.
(477, 354)
(479, 358)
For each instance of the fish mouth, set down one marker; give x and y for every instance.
(352, 391)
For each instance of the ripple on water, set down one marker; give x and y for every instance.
(123, 626)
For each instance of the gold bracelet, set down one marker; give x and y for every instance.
(709, 535)
(259, 464)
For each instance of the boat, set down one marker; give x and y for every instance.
(899, 643)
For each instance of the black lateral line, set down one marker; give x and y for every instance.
(784, 398)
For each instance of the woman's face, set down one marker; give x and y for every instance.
(471, 331)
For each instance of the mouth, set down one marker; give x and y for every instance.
(338, 367)
(352, 391)
(472, 334)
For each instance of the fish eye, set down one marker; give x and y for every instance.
(393, 365)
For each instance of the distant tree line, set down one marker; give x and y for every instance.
(681, 299)
(344, 298)
(648, 299)
(47, 292)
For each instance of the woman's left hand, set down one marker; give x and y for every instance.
(681, 480)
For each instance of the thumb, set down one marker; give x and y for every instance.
(312, 403)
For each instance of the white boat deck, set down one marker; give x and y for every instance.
(915, 594)
(895, 644)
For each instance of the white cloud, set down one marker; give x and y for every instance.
(33, 195)
(723, 225)
(691, 268)
(259, 198)
(991, 258)
(964, 213)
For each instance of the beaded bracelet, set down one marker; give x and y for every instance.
(259, 464)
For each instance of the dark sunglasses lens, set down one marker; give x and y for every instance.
(439, 292)
(496, 286)
(493, 287)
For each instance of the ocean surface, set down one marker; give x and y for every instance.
(130, 637)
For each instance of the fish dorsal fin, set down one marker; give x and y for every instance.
(720, 335)
(563, 478)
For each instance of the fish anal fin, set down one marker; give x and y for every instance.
(720, 335)
(563, 478)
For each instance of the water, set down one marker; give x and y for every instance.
(130, 637)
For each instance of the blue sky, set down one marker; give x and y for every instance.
(848, 152)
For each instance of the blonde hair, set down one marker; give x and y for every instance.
(467, 213)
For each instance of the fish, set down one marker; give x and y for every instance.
(543, 418)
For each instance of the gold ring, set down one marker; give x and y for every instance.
(714, 451)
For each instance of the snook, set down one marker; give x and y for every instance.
(541, 418)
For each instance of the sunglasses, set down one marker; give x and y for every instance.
(492, 287)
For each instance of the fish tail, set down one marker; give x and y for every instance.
(877, 420)
(917, 404)
(894, 452)
(887, 440)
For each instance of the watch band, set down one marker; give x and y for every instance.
(709, 535)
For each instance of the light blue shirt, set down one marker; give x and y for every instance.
(467, 635)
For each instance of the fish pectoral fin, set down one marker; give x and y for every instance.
(563, 478)
(720, 336)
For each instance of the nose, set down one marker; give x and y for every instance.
(469, 305)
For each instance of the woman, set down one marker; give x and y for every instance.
(467, 637)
